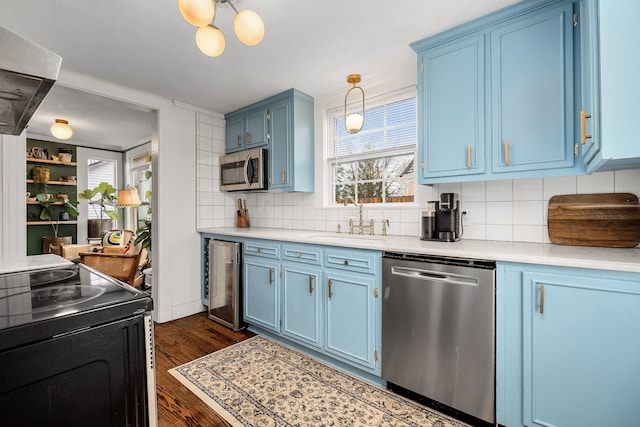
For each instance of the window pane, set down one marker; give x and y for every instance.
(370, 169)
(100, 171)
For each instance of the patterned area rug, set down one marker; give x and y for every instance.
(259, 382)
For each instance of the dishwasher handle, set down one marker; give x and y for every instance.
(434, 276)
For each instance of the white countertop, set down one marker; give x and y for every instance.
(531, 253)
(33, 262)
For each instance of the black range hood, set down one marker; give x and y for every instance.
(27, 72)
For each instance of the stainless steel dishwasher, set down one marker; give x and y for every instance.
(438, 330)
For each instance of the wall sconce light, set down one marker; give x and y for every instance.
(353, 122)
(61, 129)
(247, 25)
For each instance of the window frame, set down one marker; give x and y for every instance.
(330, 159)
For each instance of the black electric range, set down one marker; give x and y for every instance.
(40, 304)
(76, 348)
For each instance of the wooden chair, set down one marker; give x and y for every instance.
(111, 261)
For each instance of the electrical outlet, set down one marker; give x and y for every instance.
(466, 218)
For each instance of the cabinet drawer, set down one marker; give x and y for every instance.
(352, 260)
(262, 249)
(302, 253)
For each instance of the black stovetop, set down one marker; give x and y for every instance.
(41, 304)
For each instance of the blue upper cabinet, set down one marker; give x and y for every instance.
(284, 124)
(451, 109)
(496, 96)
(291, 151)
(609, 105)
(532, 92)
(246, 129)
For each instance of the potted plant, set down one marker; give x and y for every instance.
(100, 198)
(66, 209)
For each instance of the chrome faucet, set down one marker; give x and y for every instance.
(360, 225)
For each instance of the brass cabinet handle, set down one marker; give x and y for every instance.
(330, 293)
(259, 250)
(506, 152)
(310, 284)
(268, 136)
(239, 140)
(541, 299)
(469, 156)
(346, 262)
(284, 176)
(583, 127)
(247, 138)
(270, 275)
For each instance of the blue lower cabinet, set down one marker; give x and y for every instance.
(261, 293)
(351, 318)
(302, 304)
(318, 297)
(579, 345)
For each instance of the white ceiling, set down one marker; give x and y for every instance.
(146, 45)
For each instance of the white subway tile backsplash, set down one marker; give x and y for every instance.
(500, 213)
(509, 210)
(499, 191)
(559, 185)
(599, 182)
(527, 189)
(528, 213)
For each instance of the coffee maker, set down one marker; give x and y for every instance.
(441, 220)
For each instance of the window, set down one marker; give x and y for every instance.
(100, 171)
(141, 179)
(376, 164)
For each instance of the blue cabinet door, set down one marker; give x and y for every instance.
(255, 129)
(351, 318)
(451, 109)
(581, 348)
(302, 304)
(235, 134)
(588, 115)
(532, 92)
(280, 150)
(261, 293)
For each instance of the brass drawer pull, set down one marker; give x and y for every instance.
(310, 284)
(469, 156)
(541, 299)
(330, 293)
(284, 176)
(239, 140)
(270, 275)
(298, 254)
(346, 262)
(247, 138)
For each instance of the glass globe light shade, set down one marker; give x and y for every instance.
(197, 12)
(61, 129)
(248, 27)
(354, 122)
(210, 40)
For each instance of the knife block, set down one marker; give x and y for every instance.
(242, 220)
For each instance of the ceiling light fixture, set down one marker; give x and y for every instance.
(353, 122)
(61, 129)
(247, 25)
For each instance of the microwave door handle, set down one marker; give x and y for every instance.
(246, 171)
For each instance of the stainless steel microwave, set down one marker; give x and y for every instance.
(244, 171)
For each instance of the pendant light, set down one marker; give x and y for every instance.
(353, 122)
(247, 25)
(61, 129)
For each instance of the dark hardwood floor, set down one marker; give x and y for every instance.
(178, 342)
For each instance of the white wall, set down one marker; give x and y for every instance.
(13, 208)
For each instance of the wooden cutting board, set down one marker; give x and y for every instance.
(609, 220)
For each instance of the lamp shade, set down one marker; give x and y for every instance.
(128, 198)
(197, 12)
(61, 129)
(248, 27)
(354, 123)
(210, 40)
